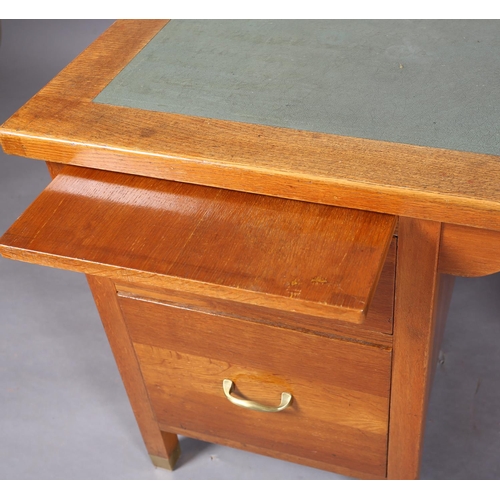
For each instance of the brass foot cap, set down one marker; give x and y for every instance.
(167, 463)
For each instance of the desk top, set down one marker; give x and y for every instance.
(430, 83)
(293, 139)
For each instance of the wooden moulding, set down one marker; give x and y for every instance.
(247, 248)
(62, 124)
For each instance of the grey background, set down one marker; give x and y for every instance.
(63, 410)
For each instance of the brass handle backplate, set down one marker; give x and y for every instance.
(227, 385)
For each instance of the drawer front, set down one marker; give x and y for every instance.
(379, 319)
(338, 418)
(272, 253)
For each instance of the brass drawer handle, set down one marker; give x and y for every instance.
(227, 385)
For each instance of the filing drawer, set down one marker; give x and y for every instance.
(338, 418)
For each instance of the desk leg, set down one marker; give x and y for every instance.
(163, 447)
(416, 307)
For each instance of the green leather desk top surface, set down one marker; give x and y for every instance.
(429, 83)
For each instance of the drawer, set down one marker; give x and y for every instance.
(270, 254)
(377, 325)
(338, 417)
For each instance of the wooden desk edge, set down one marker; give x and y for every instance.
(62, 124)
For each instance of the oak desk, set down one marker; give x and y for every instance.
(315, 117)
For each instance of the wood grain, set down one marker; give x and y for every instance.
(158, 443)
(256, 345)
(339, 413)
(468, 251)
(284, 254)
(62, 124)
(414, 330)
(376, 329)
(337, 469)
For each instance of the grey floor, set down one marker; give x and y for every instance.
(63, 410)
